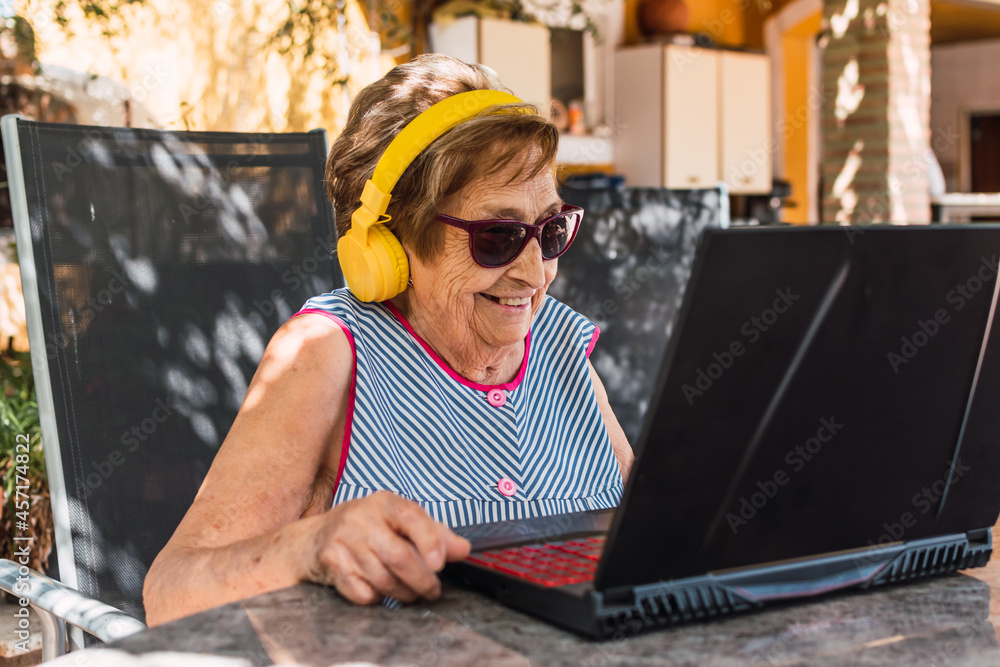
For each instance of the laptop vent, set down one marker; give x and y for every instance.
(937, 559)
(657, 607)
(664, 609)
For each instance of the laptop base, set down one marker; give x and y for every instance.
(631, 610)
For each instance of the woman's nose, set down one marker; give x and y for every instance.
(529, 266)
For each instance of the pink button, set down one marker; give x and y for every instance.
(507, 486)
(497, 397)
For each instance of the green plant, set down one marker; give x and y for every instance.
(571, 11)
(107, 14)
(308, 24)
(576, 9)
(22, 462)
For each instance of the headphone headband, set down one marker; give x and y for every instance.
(373, 261)
(411, 142)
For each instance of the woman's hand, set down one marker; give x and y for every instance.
(382, 545)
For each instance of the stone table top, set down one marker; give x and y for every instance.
(949, 620)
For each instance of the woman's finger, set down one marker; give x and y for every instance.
(382, 580)
(412, 522)
(357, 590)
(402, 560)
(347, 578)
(456, 547)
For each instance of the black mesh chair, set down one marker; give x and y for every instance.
(156, 266)
(627, 271)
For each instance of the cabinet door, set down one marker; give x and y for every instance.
(521, 55)
(458, 38)
(639, 115)
(746, 146)
(690, 103)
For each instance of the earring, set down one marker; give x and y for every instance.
(409, 282)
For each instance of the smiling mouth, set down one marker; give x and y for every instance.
(507, 301)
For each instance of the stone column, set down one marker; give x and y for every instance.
(876, 111)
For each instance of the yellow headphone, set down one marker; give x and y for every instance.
(371, 257)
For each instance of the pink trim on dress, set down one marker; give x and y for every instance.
(593, 340)
(508, 386)
(346, 444)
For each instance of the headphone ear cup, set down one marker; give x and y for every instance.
(395, 267)
(377, 269)
(372, 259)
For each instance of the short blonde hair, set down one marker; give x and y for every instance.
(478, 148)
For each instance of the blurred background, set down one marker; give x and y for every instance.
(676, 115)
(844, 111)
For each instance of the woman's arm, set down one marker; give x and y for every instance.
(262, 518)
(623, 451)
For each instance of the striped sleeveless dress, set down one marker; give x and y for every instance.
(470, 453)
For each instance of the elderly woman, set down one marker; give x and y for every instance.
(456, 392)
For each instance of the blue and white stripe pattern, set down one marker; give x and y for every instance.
(418, 431)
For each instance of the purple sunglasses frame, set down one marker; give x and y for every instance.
(534, 231)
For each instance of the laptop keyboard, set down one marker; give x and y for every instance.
(550, 564)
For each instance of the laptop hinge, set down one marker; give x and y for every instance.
(618, 595)
(979, 536)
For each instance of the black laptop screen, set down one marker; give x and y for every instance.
(822, 388)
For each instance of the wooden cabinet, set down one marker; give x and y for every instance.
(689, 117)
(745, 144)
(518, 52)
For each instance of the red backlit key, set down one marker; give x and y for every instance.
(549, 565)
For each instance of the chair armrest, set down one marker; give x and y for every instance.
(103, 621)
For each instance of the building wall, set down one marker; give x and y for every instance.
(725, 21)
(802, 100)
(963, 79)
(206, 65)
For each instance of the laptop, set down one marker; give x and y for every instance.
(825, 418)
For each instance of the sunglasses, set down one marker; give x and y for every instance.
(496, 243)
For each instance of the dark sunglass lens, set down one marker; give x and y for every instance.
(556, 235)
(498, 244)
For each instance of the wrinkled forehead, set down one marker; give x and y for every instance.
(517, 193)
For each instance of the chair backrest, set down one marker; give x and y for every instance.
(627, 271)
(156, 266)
